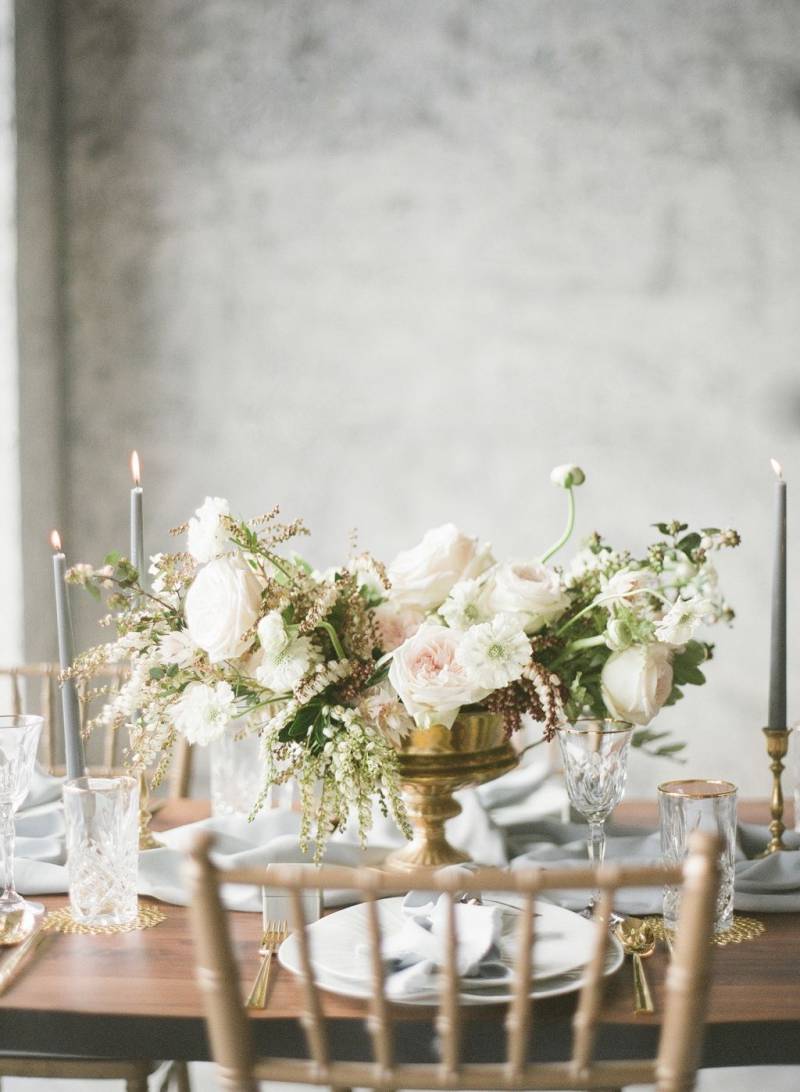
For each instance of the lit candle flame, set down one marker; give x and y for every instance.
(55, 541)
(776, 466)
(135, 468)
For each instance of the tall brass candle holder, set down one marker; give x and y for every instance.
(777, 748)
(147, 840)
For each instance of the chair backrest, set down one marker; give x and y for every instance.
(673, 1068)
(34, 688)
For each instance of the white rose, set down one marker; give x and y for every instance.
(221, 605)
(423, 576)
(637, 682)
(529, 590)
(431, 682)
(207, 538)
(396, 624)
(202, 712)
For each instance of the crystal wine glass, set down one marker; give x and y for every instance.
(19, 740)
(595, 754)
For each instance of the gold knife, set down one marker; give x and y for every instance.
(13, 964)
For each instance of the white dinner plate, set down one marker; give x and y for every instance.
(340, 953)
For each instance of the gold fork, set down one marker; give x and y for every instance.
(274, 935)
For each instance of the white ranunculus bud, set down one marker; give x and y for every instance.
(637, 681)
(221, 605)
(567, 476)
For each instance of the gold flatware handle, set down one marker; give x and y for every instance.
(14, 963)
(258, 994)
(641, 990)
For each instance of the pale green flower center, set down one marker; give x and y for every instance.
(496, 651)
(471, 612)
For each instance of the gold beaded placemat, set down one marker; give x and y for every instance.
(743, 928)
(62, 921)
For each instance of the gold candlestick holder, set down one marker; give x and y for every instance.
(777, 748)
(147, 840)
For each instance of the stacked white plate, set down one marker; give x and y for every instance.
(564, 943)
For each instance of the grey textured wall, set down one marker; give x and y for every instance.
(11, 630)
(388, 262)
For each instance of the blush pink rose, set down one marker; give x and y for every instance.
(431, 682)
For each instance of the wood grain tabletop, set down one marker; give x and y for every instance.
(149, 974)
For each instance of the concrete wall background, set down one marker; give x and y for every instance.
(11, 629)
(386, 263)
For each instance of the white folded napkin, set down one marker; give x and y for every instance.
(416, 953)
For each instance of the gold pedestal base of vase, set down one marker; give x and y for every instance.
(434, 763)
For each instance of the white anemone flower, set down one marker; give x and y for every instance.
(284, 658)
(466, 605)
(494, 654)
(682, 619)
(202, 712)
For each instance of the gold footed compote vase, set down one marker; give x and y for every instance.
(434, 763)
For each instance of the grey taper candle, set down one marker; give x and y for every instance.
(137, 522)
(73, 744)
(777, 662)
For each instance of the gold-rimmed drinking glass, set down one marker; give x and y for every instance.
(687, 805)
(595, 755)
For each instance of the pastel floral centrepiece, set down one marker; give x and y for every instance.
(333, 669)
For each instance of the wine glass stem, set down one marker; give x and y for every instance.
(597, 849)
(7, 849)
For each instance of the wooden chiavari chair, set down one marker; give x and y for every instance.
(673, 1069)
(34, 688)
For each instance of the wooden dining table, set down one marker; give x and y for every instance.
(134, 995)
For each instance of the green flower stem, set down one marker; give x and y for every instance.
(575, 617)
(263, 704)
(337, 646)
(567, 530)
